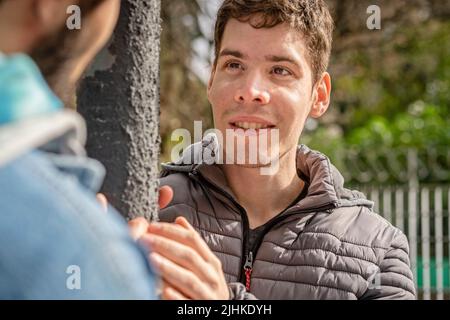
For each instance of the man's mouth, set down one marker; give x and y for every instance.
(251, 125)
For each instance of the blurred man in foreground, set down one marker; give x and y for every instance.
(56, 241)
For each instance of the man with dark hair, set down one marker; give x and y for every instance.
(56, 241)
(294, 234)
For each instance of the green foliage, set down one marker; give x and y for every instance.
(421, 127)
(399, 100)
(411, 65)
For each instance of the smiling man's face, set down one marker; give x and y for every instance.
(262, 80)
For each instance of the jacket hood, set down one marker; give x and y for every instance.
(61, 132)
(325, 182)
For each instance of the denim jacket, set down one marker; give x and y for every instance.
(55, 240)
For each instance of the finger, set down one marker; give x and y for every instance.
(181, 255)
(179, 278)
(170, 293)
(180, 234)
(165, 196)
(182, 221)
(101, 198)
(203, 247)
(138, 227)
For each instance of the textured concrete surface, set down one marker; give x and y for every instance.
(119, 99)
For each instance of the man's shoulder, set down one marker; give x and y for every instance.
(359, 227)
(180, 183)
(175, 178)
(184, 194)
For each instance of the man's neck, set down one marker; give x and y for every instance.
(265, 196)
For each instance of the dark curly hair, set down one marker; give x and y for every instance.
(310, 17)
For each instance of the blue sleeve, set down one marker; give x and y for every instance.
(56, 243)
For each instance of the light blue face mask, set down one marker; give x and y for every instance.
(23, 91)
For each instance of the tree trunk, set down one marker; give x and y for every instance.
(119, 99)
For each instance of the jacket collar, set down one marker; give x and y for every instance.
(325, 182)
(62, 132)
(61, 136)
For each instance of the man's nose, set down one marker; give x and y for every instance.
(252, 90)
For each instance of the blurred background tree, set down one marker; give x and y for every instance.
(390, 86)
(183, 94)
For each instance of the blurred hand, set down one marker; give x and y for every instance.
(188, 268)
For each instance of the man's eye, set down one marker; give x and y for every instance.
(281, 71)
(234, 65)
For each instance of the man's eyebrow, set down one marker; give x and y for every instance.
(235, 53)
(275, 58)
(272, 58)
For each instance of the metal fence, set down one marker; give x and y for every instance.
(416, 200)
(422, 213)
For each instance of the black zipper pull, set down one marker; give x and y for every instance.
(248, 268)
(193, 174)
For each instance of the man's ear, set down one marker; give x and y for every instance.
(321, 94)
